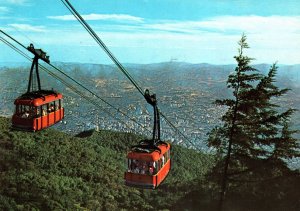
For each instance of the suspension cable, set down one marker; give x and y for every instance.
(82, 95)
(104, 47)
(97, 96)
(94, 94)
(176, 129)
(102, 44)
(70, 86)
(14, 48)
(13, 39)
(113, 58)
(47, 71)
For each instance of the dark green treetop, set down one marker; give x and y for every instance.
(255, 134)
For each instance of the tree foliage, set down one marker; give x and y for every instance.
(51, 170)
(255, 137)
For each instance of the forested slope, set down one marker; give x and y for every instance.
(50, 170)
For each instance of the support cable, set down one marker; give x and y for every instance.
(70, 86)
(101, 43)
(176, 129)
(113, 58)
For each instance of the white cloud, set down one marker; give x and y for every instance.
(233, 24)
(213, 40)
(255, 24)
(220, 24)
(27, 27)
(110, 17)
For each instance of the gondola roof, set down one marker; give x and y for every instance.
(148, 154)
(38, 98)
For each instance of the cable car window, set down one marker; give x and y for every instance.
(56, 105)
(155, 167)
(18, 111)
(60, 104)
(32, 112)
(159, 165)
(134, 166)
(129, 165)
(38, 111)
(152, 170)
(21, 109)
(44, 110)
(50, 107)
(141, 167)
(166, 156)
(25, 111)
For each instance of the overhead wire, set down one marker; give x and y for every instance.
(83, 96)
(94, 94)
(13, 47)
(101, 43)
(45, 69)
(79, 84)
(70, 86)
(97, 96)
(104, 47)
(23, 34)
(178, 131)
(114, 59)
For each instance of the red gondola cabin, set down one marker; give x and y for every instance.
(148, 168)
(37, 110)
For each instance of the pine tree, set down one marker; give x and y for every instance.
(272, 136)
(254, 131)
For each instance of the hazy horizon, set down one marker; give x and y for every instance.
(163, 62)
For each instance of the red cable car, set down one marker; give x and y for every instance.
(148, 168)
(37, 109)
(149, 162)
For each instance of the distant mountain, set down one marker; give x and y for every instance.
(186, 93)
(290, 71)
(13, 64)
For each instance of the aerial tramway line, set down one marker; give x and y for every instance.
(149, 162)
(69, 85)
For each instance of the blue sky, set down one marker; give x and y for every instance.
(149, 31)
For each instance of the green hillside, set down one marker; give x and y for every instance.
(51, 170)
